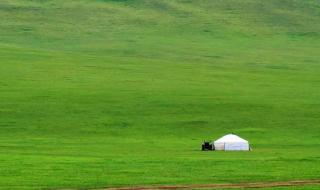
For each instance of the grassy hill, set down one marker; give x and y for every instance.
(98, 93)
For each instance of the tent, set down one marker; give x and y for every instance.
(231, 142)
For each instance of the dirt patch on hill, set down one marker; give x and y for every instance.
(224, 186)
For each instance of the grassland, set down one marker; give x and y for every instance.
(99, 93)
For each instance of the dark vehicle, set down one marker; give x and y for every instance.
(207, 146)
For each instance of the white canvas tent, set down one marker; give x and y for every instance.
(231, 142)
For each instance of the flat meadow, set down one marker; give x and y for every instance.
(107, 93)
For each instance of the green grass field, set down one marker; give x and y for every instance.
(104, 93)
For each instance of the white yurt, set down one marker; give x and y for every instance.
(231, 142)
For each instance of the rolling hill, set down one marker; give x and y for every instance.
(105, 93)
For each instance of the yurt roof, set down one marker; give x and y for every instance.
(230, 138)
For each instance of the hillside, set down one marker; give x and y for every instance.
(99, 93)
